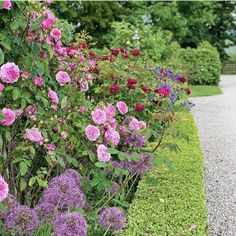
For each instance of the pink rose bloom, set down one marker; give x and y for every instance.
(89, 76)
(92, 132)
(51, 147)
(84, 86)
(56, 34)
(122, 107)
(142, 124)
(53, 97)
(38, 81)
(48, 21)
(134, 124)
(82, 109)
(1, 87)
(7, 4)
(30, 112)
(48, 1)
(3, 189)
(91, 63)
(84, 69)
(113, 137)
(103, 154)
(63, 78)
(9, 117)
(18, 112)
(110, 112)
(9, 73)
(34, 135)
(99, 116)
(82, 58)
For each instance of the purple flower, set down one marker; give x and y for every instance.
(73, 174)
(21, 219)
(112, 217)
(45, 211)
(115, 187)
(70, 224)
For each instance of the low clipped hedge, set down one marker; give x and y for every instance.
(201, 65)
(175, 205)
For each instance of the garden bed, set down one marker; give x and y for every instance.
(174, 204)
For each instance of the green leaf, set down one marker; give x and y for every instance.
(15, 93)
(113, 151)
(5, 45)
(100, 164)
(8, 135)
(37, 23)
(42, 183)
(23, 184)
(1, 56)
(32, 181)
(64, 102)
(40, 67)
(122, 156)
(48, 49)
(23, 168)
(95, 181)
(23, 104)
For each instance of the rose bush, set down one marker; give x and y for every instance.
(77, 129)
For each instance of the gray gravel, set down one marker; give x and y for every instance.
(216, 121)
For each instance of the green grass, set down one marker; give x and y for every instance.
(175, 205)
(203, 90)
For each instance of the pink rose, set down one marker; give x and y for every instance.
(82, 109)
(103, 154)
(99, 116)
(91, 63)
(84, 86)
(34, 135)
(1, 87)
(122, 107)
(113, 137)
(82, 58)
(48, 1)
(51, 147)
(38, 81)
(7, 4)
(3, 189)
(142, 124)
(92, 132)
(89, 76)
(30, 112)
(9, 73)
(63, 78)
(56, 34)
(9, 117)
(18, 112)
(134, 124)
(53, 97)
(48, 21)
(110, 112)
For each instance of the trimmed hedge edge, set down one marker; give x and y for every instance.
(176, 204)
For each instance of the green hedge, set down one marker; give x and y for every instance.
(175, 206)
(201, 65)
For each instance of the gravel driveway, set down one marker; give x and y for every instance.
(216, 121)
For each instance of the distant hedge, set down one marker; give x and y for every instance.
(175, 205)
(202, 65)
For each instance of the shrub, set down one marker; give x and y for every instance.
(201, 65)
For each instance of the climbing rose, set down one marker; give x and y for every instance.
(56, 34)
(146, 88)
(91, 63)
(182, 79)
(82, 109)
(131, 84)
(34, 135)
(122, 107)
(115, 52)
(188, 91)
(163, 91)
(103, 154)
(53, 96)
(38, 81)
(99, 116)
(51, 147)
(1, 87)
(134, 124)
(113, 137)
(9, 73)
(142, 124)
(115, 88)
(9, 117)
(7, 4)
(3, 189)
(48, 21)
(92, 132)
(139, 107)
(135, 52)
(62, 78)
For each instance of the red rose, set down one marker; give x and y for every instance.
(95, 70)
(146, 88)
(83, 45)
(104, 58)
(135, 52)
(125, 55)
(164, 92)
(187, 91)
(115, 88)
(93, 55)
(111, 59)
(139, 107)
(115, 52)
(123, 50)
(182, 79)
(131, 84)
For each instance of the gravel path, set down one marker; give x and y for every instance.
(216, 121)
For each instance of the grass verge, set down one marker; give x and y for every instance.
(203, 90)
(175, 205)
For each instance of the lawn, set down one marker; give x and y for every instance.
(175, 203)
(204, 90)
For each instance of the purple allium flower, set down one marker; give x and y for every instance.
(140, 141)
(113, 217)
(70, 224)
(117, 164)
(45, 211)
(73, 174)
(21, 219)
(115, 187)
